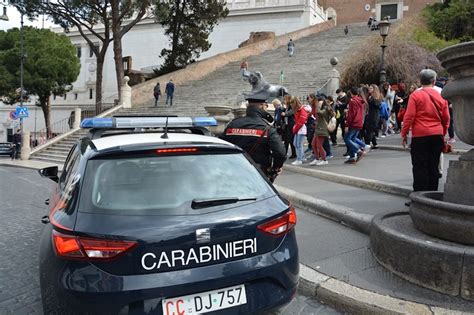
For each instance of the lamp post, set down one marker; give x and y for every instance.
(4, 16)
(22, 61)
(384, 27)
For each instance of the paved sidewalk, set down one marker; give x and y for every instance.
(31, 164)
(396, 140)
(344, 254)
(383, 165)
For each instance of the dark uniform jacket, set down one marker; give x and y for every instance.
(246, 131)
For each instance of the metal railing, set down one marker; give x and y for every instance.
(64, 125)
(250, 4)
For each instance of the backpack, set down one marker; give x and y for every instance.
(384, 111)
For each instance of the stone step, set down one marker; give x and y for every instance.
(56, 151)
(62, 146)
(48, 159)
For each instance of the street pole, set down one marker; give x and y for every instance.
(21, 69)
(384, 27)
(383, 73)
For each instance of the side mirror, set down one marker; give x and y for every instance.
(50, 172)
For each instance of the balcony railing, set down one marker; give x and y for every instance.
(250, 4)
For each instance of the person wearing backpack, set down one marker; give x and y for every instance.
(384, 118)
(321, 133)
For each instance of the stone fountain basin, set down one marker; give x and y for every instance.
(430, 262)
(218, 110)
(449, 221)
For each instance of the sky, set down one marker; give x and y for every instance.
(15, 18)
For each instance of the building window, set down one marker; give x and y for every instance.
(79, 52)
(91, 94)
(389, 10)
(65, 95)
(75, 96)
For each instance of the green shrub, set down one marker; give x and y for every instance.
(429, 41)
(451, 20)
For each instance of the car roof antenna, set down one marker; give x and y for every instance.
(165, 135)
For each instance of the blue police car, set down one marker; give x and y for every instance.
(151, 215)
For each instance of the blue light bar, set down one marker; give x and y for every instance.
(205, 121)
(147, 122)
(100, 123)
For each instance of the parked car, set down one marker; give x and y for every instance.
(168, 221)
(6, 148)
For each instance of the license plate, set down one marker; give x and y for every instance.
(205, 302)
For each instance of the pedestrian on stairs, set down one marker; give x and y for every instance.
(291, 48)
(157, 93)
(346, 30)
(169, 90)
(244, 66)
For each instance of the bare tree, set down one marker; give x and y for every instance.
(98, 22)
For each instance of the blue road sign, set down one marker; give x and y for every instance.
(22, 112)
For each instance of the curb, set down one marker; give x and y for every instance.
(340, 214)
(354, 300)
(399, 148)
(365, 183)
(29, 165)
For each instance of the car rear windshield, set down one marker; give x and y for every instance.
(167, 185)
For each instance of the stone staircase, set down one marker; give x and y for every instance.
(57, 153)
(304, 73)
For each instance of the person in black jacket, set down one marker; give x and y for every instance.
(16, 145)
(372, 119)
(288, 119)
(257, 137)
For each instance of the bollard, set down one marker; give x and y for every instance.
(77, 118)
(25, 145)
(126, 92)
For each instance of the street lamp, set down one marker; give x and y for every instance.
(4, 16)
(384, 27)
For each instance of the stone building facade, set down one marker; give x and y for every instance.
(353, 11)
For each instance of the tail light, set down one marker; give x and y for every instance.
(75, 247)
(177, 150)
(280, 225)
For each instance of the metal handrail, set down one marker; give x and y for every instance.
(62, 126)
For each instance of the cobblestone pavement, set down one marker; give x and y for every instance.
(22, 195)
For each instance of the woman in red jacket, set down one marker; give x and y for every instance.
(299, 129)
(427, 116)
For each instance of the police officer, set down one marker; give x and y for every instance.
(257, 137)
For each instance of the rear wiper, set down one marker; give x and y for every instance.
(203, 203)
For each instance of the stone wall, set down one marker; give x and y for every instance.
(143, 92)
